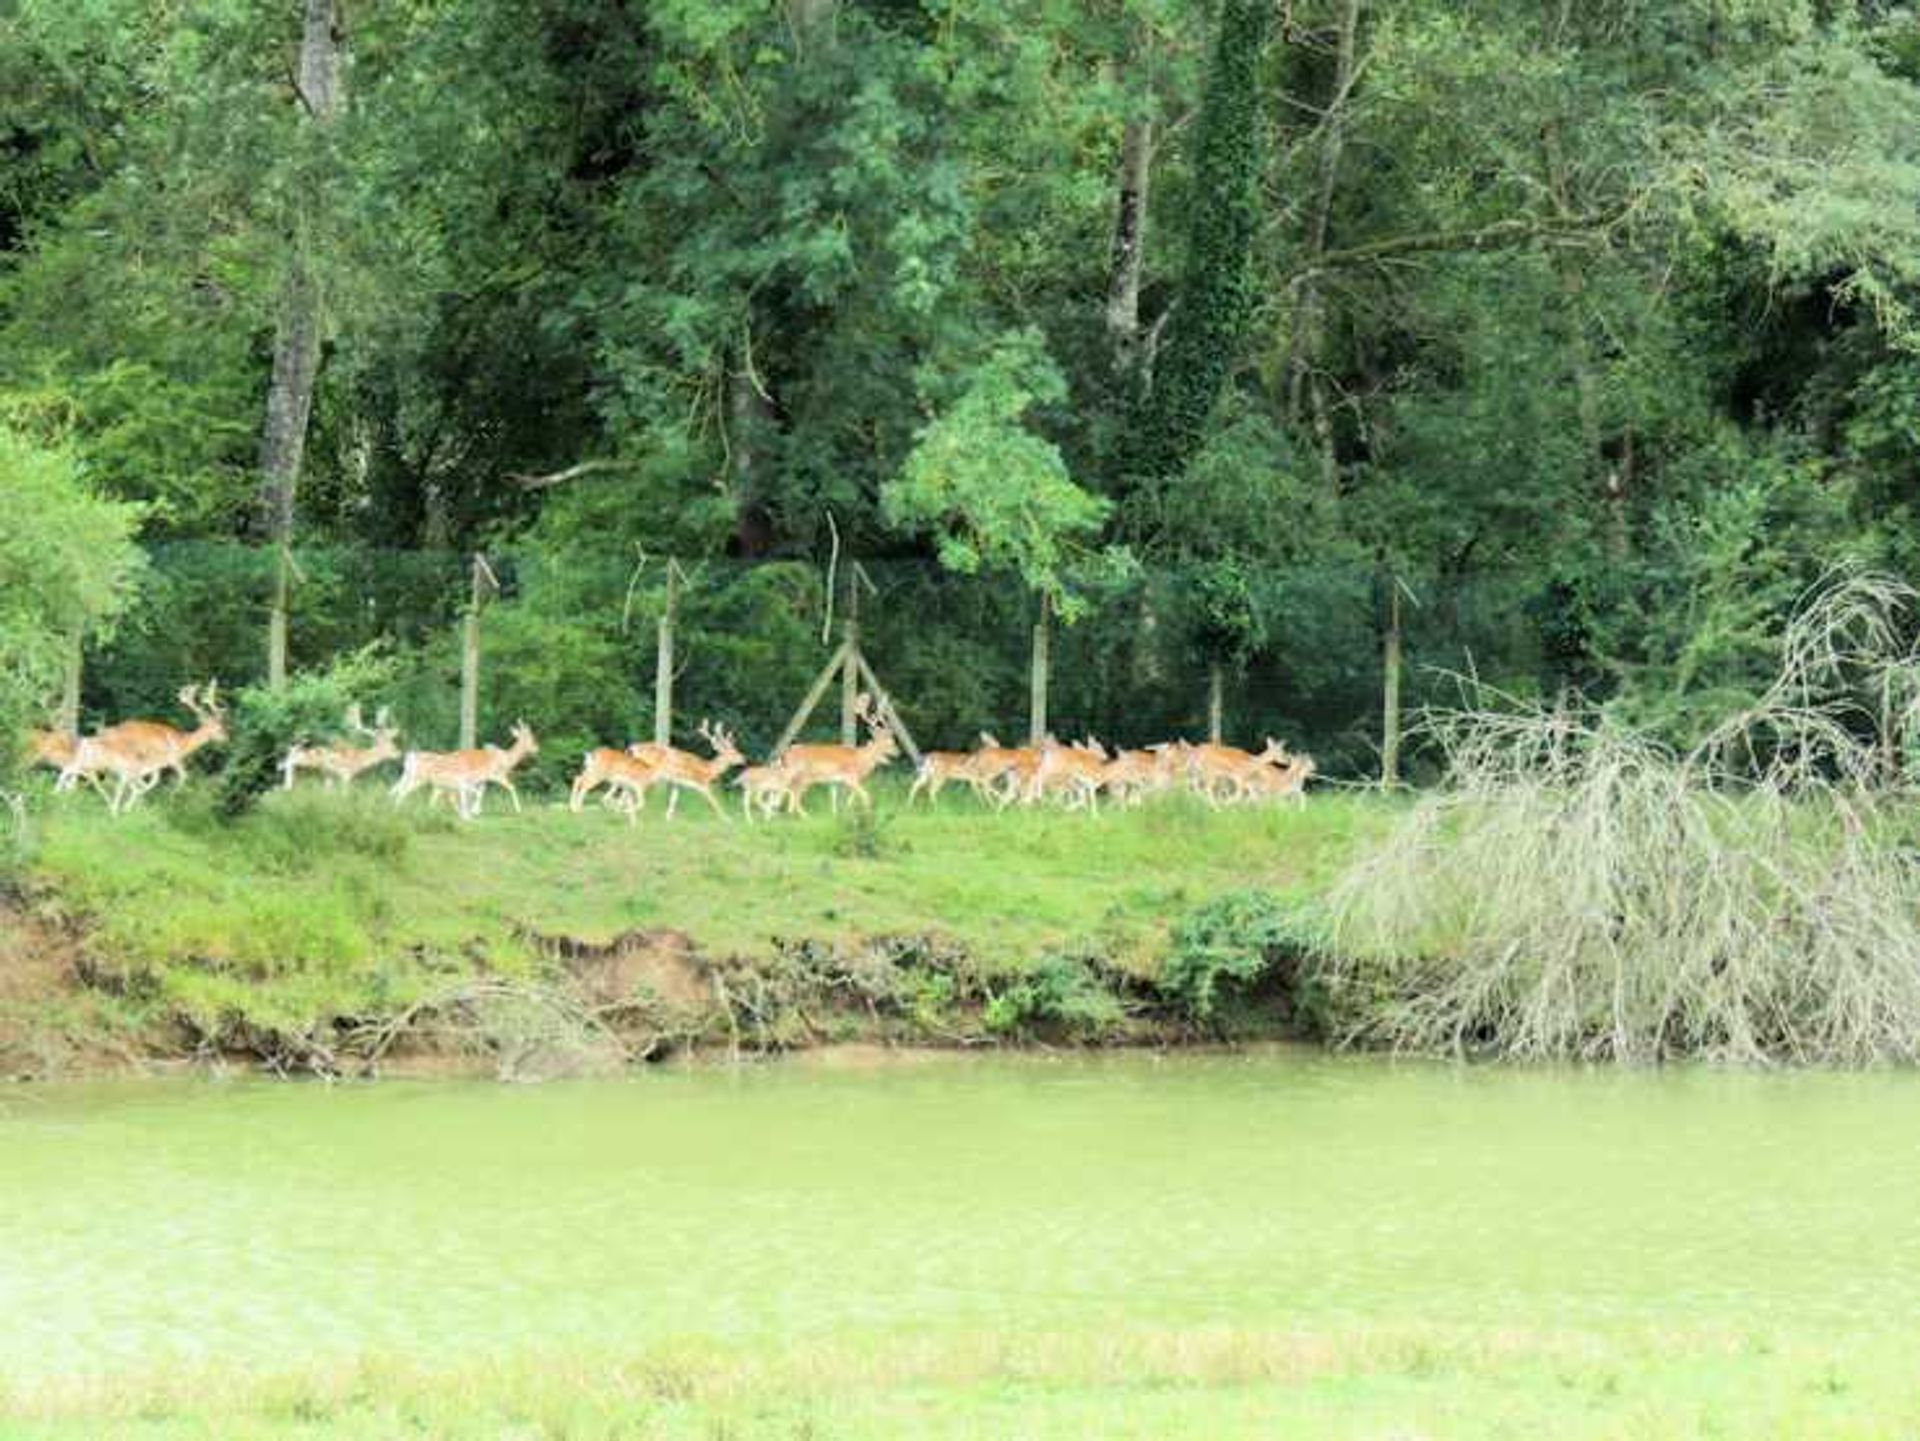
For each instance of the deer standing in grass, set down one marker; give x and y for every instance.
(465, 775)
(1075, 772)
(935, 770)
(839, 766)
(1133, 775)
(625, 776)
(1001, 774)
(764, 789)
(1283, 782)
(683, 770)
(341, 765)
(138, 753)
(1228, 773)
(50, 748)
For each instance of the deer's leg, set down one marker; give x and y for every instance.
(512, 795)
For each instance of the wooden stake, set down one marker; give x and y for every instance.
(68, 721)
(663, 661)
(1037, 695)
(850, 672)
(277, 621)
(1390, 710)
(888, 712)
(818, 689)
(470, 655)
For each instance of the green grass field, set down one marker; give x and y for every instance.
(318, 906)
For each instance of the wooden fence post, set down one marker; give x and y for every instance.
(68, 722)
(277, 619)
(850, 672)
(484, 581)
(1390, 708)
(1037, 692)
(663, 661)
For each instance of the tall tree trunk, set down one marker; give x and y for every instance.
(748, 411)
(1128, 258)
(1210, 319)
(1307, 344)
(296, 343)
(1595, 473)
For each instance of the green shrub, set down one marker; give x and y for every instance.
(1062, 996)
(1222, 951)
(309, 709)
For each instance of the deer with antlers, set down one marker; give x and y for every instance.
(341, 765)
(840, 767)
(137, 754)
(684, 770)
(465, 775)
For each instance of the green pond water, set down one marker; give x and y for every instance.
(146, 1225)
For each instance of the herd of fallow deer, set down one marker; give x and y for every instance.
(136, 756)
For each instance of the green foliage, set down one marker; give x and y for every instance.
(993, 494)
(1221, 952)
(309, 710)
(66, 566)
(1063, 997)
(767, 265)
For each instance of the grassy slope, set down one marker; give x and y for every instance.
(318, 905)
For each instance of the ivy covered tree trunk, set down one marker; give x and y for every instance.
(296, 344)
(1215, 298)
(1306, 347)
(1129, 243)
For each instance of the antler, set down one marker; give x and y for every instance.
(353, 720)
(203, 701)
(705, 730)
(383, 720)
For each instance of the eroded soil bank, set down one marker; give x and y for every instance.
(592, 1007)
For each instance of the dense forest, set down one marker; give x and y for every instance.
(1600, 317)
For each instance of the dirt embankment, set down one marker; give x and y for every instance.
(590, 1006)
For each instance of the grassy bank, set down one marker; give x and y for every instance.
(1223, 1381)
(315, 925)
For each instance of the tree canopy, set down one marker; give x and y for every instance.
(1614, 302)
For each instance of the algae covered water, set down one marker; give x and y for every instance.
(146, 1225)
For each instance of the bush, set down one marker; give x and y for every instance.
(1222, 951)
(310, 708)
(1062, 996)
(66, 565)
(1580, 890)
